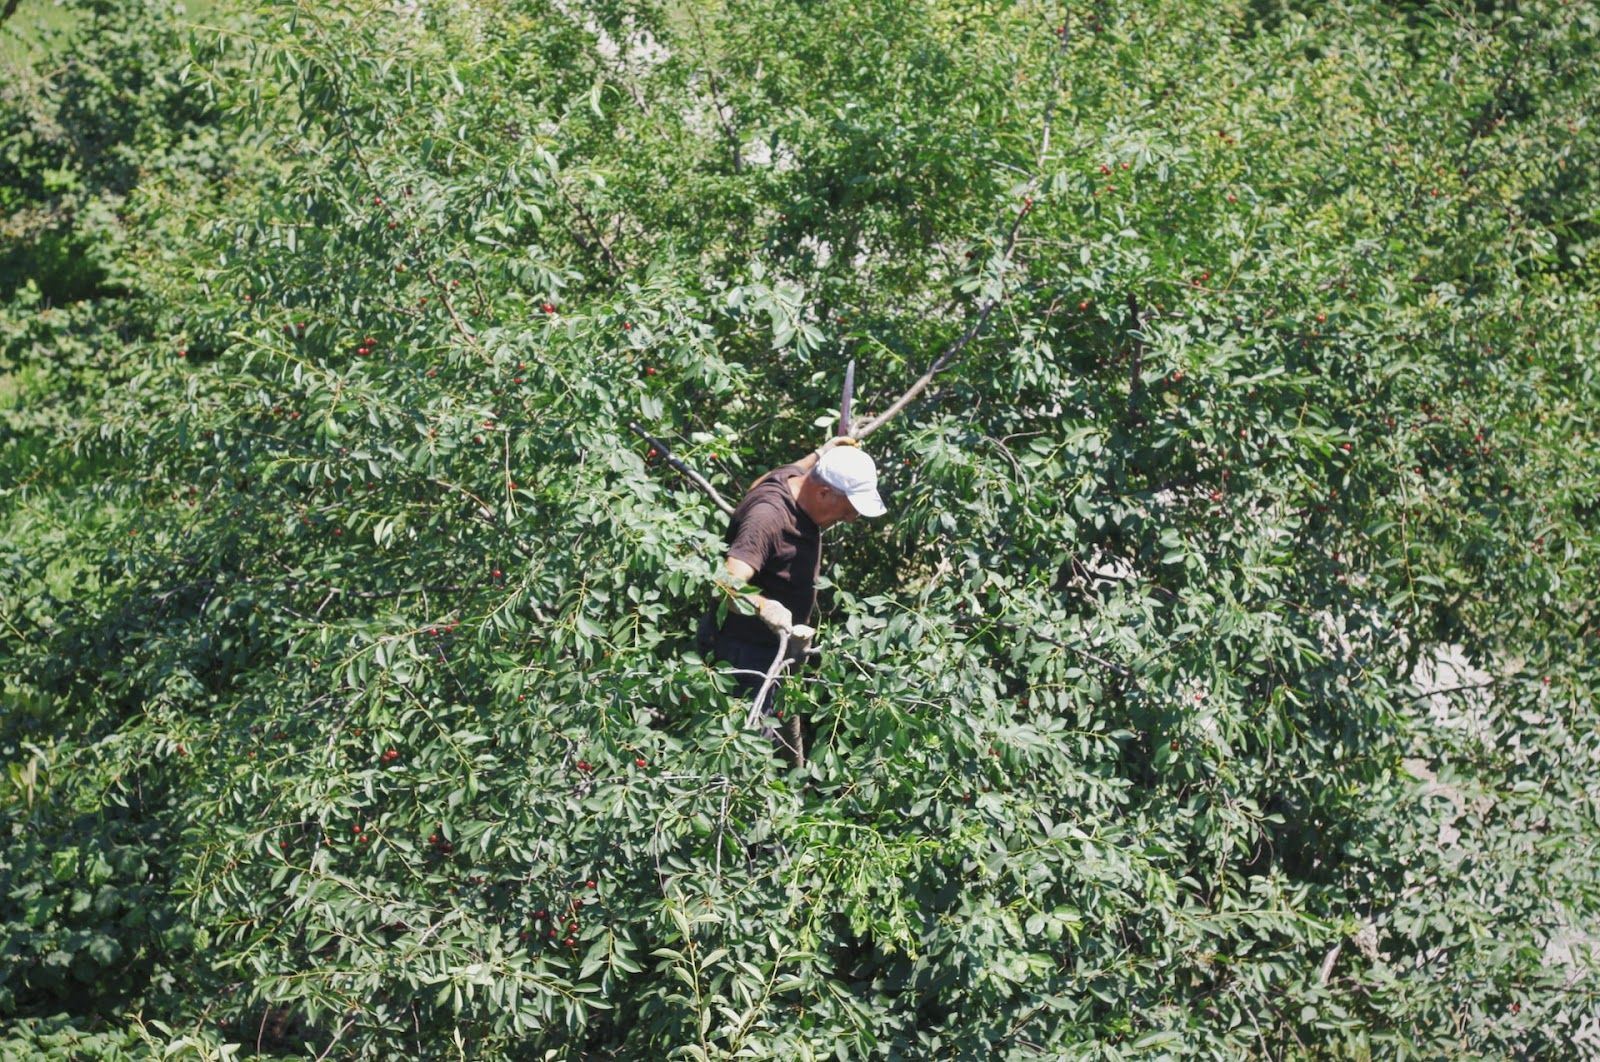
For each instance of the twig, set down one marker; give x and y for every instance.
(588, 222)
(1456, 689)
(694, 477)
(1136, 329)
(722, 822)
(486, 513)
(336, 1038)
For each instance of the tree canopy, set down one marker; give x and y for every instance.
(1221, 682)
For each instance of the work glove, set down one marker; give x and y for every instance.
(800, 639)
(776, 615)
(837, 440)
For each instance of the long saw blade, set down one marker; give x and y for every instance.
(844, 401)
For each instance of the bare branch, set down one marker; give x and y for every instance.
(694, 477)
(955, 348)
(780, 660)
(950, 352)
(1327, 963)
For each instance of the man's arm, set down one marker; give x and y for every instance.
(773, 613)
(809, 461)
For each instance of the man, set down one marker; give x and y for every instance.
(775, 543)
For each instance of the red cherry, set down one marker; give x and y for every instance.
(583, 765)
(639, 762)
(1084, 305)
(496, 573)
(649, 370)
(589, 884)
(1104, 168)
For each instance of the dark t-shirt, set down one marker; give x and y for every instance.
(771, 533)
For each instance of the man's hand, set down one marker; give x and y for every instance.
(837, 440)
(776, 616)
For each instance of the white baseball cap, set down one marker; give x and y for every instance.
(848, 470)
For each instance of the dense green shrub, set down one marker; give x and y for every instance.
(351, 705)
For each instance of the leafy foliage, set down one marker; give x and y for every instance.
(351, 706)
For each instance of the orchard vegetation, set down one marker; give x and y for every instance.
(1221, 684)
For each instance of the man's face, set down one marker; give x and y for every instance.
(831, 507)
